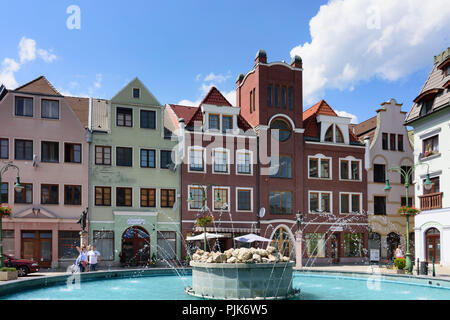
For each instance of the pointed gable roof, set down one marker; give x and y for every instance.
(125, 95)
(310, 121)
(39, 85)
(215, 98)
(322, 107)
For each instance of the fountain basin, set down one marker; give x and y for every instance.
(256, 281)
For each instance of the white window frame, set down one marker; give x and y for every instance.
(206, 195)
(350, 202)
(196, 148)
(319, 157)
(214, 188)
(350, 159)
(237, 198)
(228, 160)
(250, 153)
(320, 202)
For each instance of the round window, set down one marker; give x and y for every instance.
(284, 130)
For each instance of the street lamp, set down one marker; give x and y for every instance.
(427, 184)
(18, 187)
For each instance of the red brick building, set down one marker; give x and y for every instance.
(335, 189)
(219, 153)
(313, 147)
(270, 96)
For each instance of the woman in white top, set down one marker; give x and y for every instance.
(399, 252)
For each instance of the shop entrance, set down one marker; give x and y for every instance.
(37, 246)
(433, 241)
(135, 246)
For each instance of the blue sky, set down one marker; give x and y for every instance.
(180, 48)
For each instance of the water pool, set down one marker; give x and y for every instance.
(313, 287)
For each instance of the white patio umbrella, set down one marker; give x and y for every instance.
(251, 238)
(202, 236)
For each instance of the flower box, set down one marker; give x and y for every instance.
(5, 211)
(9, 275)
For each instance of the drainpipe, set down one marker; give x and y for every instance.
(367, 153)
(89, 141)
(181, 136)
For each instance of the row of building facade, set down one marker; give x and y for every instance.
(145, 171)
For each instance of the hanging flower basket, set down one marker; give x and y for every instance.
(204, 221)
(5, 211)
(405, 210)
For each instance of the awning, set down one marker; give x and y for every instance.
(251, 238)
(208, 236)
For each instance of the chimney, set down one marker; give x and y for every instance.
(296, 62)
(261, 57)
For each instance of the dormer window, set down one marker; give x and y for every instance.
(334, 134)
(427, 106)
(227, 123)
(447, 70)
(214, 122)
(136, 93)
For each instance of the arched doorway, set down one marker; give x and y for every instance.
(283, 242)
(135, 246)
(393, 240)
(433, 243)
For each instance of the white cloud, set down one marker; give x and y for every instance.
(98, 80)
(347, 115)
(27, 49)
(27, 52)
(209, 81)
(47, 56)
(9, 66)
(356, 40)
(219, 78)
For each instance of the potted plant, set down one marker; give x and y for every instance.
(409, 211)
(8, 274)
(400, 264)
(5, 211)
(203, 222)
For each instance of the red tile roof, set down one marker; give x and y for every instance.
(310, 123)
(184, 112)
(194, 114)
(214, 97)
(321, 107)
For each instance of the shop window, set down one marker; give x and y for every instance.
(353, 244)
(104, 243)
(167, 249)
(315, 245)
(68, 241)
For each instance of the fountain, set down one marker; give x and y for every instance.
(242, 274)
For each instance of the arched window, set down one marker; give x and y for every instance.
(329, 134)
(283, 242)
(283, 128)
(339, 135)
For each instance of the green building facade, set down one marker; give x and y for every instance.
(134, 211)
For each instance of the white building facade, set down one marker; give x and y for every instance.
(430, 118)
(387, 146)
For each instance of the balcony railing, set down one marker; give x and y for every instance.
(431, 201)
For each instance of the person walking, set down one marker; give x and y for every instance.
(93, 258)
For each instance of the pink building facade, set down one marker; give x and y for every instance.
(43, 134)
